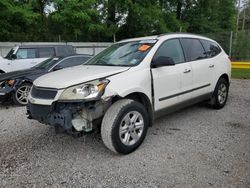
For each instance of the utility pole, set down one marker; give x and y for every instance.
(244, 18)
(238, 16)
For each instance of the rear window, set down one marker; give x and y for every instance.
(211, 48)
(193, 49)
(46, 52)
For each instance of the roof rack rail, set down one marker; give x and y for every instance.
(172, 33)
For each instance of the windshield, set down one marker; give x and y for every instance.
(123, 54)
(47, 64)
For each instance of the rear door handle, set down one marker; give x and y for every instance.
(211, 66)
(187, 71)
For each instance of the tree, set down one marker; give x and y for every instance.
(17, 21)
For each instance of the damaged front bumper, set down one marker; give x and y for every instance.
(5, 92)
(72, 116)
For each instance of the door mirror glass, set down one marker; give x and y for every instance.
(57, 67)
(162, 61)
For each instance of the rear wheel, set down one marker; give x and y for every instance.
(220, 94)
(124, 126)
(20, 96)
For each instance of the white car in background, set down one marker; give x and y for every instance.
(123, 89)
(27, 56)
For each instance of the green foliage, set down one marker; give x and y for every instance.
(241, 46)
(241, 73)
(100, 20)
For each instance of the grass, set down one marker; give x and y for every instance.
(241, 73)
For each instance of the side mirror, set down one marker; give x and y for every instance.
(13, 56)
(57, 67)
(162, 61)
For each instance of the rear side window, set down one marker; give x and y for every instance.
(171, 48)
(46, 52)
(26, 53)
(73, 61)
(211, 48)
(193, 49)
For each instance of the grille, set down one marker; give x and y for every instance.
(43, 93)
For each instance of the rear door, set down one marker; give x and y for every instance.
(168, 80)
(201, 67)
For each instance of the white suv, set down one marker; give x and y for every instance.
(27, 56)
(125, 87)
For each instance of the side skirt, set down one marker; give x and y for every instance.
(181, 105)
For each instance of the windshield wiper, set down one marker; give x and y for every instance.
(103, 64)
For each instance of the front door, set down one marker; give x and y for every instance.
(169, 80)
(25, 58)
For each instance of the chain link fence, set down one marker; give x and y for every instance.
(235, 44)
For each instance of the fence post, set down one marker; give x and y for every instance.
(230, 44)
(93, 50)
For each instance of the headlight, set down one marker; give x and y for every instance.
(10, 82)
(88, 90)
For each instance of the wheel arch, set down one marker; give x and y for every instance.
(141, 98)
(21, 81)
(226, 77)
(1, 71)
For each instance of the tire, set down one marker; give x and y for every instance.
(220, 94)
(20, 96)
(59, 129)
(119, 130)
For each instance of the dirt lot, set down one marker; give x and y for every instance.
(195, 147)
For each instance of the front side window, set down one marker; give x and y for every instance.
(193, 49)
(211, 48)
(171, 48)
(67, 62)
(46, 52)
(28, 53)
(123, 54)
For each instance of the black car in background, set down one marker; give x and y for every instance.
(16, 85)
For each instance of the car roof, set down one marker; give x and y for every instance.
(42, 46)
(168, 35)
(74, 55)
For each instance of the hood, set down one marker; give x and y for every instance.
(76, 75)
(19, 74)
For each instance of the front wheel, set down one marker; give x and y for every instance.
(220, 94)
(124, 126)
(20, 96)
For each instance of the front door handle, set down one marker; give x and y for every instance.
(187, 71)
(211, 66)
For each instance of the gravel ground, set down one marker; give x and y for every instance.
(195, 147)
